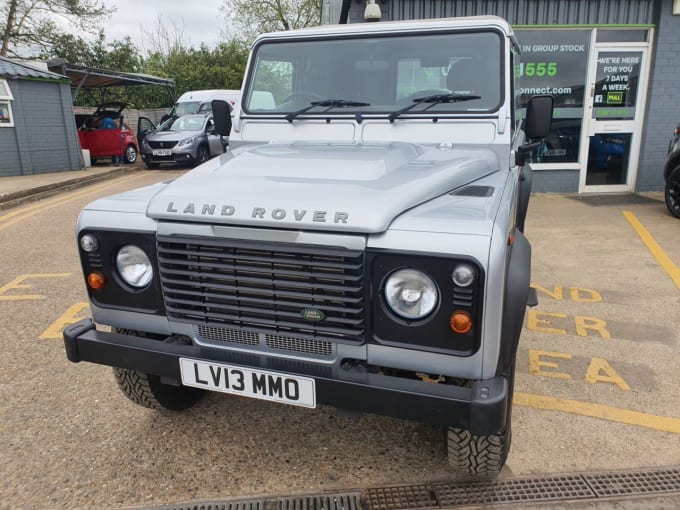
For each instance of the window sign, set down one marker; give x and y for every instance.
(555, 62)
(616, 84)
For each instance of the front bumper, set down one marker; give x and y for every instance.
(176, 157)
(481, 409)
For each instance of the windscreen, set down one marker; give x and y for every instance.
(378, 74)
(186, 107)
(185, 123)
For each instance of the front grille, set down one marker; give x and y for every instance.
(298, 291)
(234, 336)
(305, 345)
(161, 145)
(278, 342)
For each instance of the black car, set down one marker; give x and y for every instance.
(671, 174)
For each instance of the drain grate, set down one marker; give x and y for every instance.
(233, 505)
(331, 502)
(406, 496)
(440, 495)
(661, 481)
(551, 488)
(544, 489)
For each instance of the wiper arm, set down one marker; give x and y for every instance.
(435, 99)
(328, 103)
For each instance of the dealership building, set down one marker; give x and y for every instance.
(612, 66)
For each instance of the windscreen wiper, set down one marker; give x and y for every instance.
(328, 103)
(435, 99)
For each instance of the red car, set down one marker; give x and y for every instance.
(106, 135)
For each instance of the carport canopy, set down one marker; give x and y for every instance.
(84, 77)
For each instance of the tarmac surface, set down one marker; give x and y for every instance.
(596, 386)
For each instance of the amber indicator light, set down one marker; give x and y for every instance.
(460, 322)
(96, 280)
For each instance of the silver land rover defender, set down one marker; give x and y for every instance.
(360, 245)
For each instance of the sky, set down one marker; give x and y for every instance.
(199, 20)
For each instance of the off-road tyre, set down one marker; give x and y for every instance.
(477, 455)
(148, 391)
(672, 193)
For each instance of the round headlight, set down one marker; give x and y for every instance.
(89, 243)
(463, 275)
(411, 294)
(134, 266)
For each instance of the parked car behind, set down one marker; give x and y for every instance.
(106, 135)
(187, 140)
(671, 174)
(199, 101)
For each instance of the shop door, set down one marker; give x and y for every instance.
(611, 141)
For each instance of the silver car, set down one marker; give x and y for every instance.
(186, 140)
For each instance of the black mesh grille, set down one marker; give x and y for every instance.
(162, 145)
(310, 291)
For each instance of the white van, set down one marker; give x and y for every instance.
(196, 101)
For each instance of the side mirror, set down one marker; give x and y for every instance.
(537, 123)
(538, 117)
(222, 117)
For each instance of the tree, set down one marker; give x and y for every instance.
(248, 18)
(30, 26)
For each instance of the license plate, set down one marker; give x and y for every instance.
(265, 385)
(161, 152)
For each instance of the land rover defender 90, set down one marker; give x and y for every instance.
(360, 246)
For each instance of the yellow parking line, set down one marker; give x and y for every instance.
(26, 212)
(600, 411)
(661, 257)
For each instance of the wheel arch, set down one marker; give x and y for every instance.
(515, 299)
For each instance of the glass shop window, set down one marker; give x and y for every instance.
(6, 117)
(555, 62)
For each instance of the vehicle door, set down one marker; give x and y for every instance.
(144, 127)
(105, 142)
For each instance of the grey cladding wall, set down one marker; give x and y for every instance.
(663, 105)
(44, 137)
(522, 12)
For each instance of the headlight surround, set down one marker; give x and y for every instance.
(134, 266)
(411, 294)
(187, 141)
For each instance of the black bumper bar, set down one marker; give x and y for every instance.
(482, 408)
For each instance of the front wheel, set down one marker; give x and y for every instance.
(147, 390)
(130, 154)
(202, 154)
(477, 455)
(672, 193)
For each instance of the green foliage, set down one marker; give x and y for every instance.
(221, 67)
(28, 25)
(248, 18)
